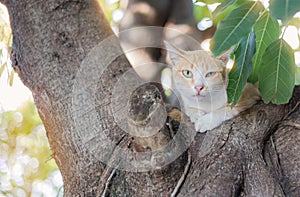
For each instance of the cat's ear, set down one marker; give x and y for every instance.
(175, 54)
(225, 56)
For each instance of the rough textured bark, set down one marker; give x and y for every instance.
(255, 154)
(50, 39)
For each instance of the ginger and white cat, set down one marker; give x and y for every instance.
(201, 81)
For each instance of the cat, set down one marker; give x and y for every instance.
(201, 81)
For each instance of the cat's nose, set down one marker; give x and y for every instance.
(198, 88)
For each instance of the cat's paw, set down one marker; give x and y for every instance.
(199, 127)
(195, 115)
(203, 127)
(194, 119)
(206, 123)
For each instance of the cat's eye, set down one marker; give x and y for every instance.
(210, 74)
(187, 73)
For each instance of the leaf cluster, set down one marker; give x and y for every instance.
(261, 54)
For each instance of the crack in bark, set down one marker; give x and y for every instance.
(292, 110)
(64, 4)
(291, 124)
(108, 182)
(110, 171)
(183, 176)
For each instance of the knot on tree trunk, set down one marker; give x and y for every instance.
(160, 136)
(146, 113)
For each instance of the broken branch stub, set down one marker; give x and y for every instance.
(157, 141)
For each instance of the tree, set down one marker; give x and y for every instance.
(255, 154)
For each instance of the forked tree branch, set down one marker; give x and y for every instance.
(49, 46)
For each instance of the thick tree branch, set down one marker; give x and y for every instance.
(77, 98)
(282, 150)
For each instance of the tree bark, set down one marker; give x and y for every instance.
(50, 39)
(77, 95)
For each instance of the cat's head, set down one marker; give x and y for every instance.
(197, 74)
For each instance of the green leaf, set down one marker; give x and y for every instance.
(221, 15)
(223, 6)
(2, 68)
(277, 74)
(235, 26)
(297, 77)
(284, 9)
(11, 77)
(266, 31)
(241, 68)
(201, 12)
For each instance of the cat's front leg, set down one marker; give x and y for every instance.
(206, 122)
(215, 118)
(194, 114)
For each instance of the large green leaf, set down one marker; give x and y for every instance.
(217, 18)
(284, 9)
(277, 73)
(224, 5)
(236, 25)
(222, 11)
(241, 68)
(266, 31)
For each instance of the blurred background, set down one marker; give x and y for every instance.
(26, 165)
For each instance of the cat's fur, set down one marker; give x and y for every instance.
(201, 81)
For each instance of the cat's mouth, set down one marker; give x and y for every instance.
(198, 96)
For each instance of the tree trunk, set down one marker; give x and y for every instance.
(102, 125)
